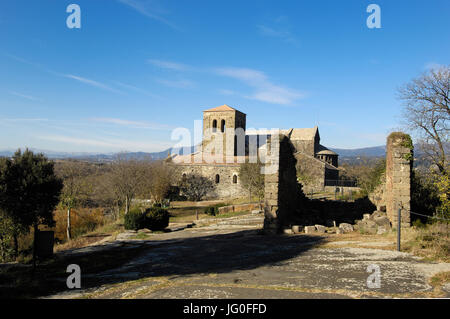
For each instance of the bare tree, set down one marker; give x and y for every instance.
(126, 179)
(196, 187)
(159, 181)
(427, 113)
(252, 179)
(76, 188)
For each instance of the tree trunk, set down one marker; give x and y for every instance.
(2, 248)
(126, 205)
(16, 246)
(35, 246)
(69, 237)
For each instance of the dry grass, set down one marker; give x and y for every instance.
(431, 242)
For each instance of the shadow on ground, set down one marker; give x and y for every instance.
(196, 254)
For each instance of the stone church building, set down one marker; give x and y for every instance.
(226, 144)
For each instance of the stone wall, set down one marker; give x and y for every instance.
(399, 158)
(314, 171)
(283, 195)
(225, 188)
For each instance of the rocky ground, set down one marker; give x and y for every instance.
(231, 259)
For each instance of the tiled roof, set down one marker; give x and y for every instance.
(222, 108)
(304, 134)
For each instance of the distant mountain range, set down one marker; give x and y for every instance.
(376, 151)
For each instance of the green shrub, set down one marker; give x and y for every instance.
(213, 210)
(418, 224)
(134, 220)
(156, 218)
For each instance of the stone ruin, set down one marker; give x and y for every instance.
(286, 205)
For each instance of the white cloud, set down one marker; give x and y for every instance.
(149, 9)
(110, 144)
(135, 124)
(265, 90)
(183, 84)
(91, 82)
(28, 97)
(277, 33)
(136, 89)
(168, 65)
(226, 92)
(15, 120)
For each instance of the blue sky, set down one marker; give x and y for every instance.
(137, 69)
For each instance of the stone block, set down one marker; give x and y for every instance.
(296, 229)
(345, 227)
(310, 229)
(320, 229)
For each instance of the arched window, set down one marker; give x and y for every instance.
(217, 179)
(183, 178)
(222, 126)
(234, 179)
(214, 125)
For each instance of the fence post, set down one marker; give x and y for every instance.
(399, 227)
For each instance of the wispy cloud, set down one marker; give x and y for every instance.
(169, 65)
(134, 124)
(25, 96)
(265, 90)
(91, 82)
(278, 31)
(16, 120)
(136, 89)
(226, 92)
(110, 144)
(151, 10)
(182, 84)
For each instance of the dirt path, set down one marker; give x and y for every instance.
(221, 263)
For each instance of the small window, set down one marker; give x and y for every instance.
(183, 178)
(214, 125)
(217, 179)
(222, 126)
(234, 179)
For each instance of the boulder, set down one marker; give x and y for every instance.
(310, 229)
(345, 227)
(287, 231)
(377, 214)
(383, 221)
(368, 226)
(339, 231)
(320, 228)
(144, 230)
(366, 216)
(381, 230)
(256, 212)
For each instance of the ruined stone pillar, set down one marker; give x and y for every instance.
(399, 159)
(271, 182)
(282, 192)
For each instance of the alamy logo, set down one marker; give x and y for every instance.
(74, 19)
(74, 280)
(374, 20)
(374, 280)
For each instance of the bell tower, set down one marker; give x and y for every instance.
(223, 131)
